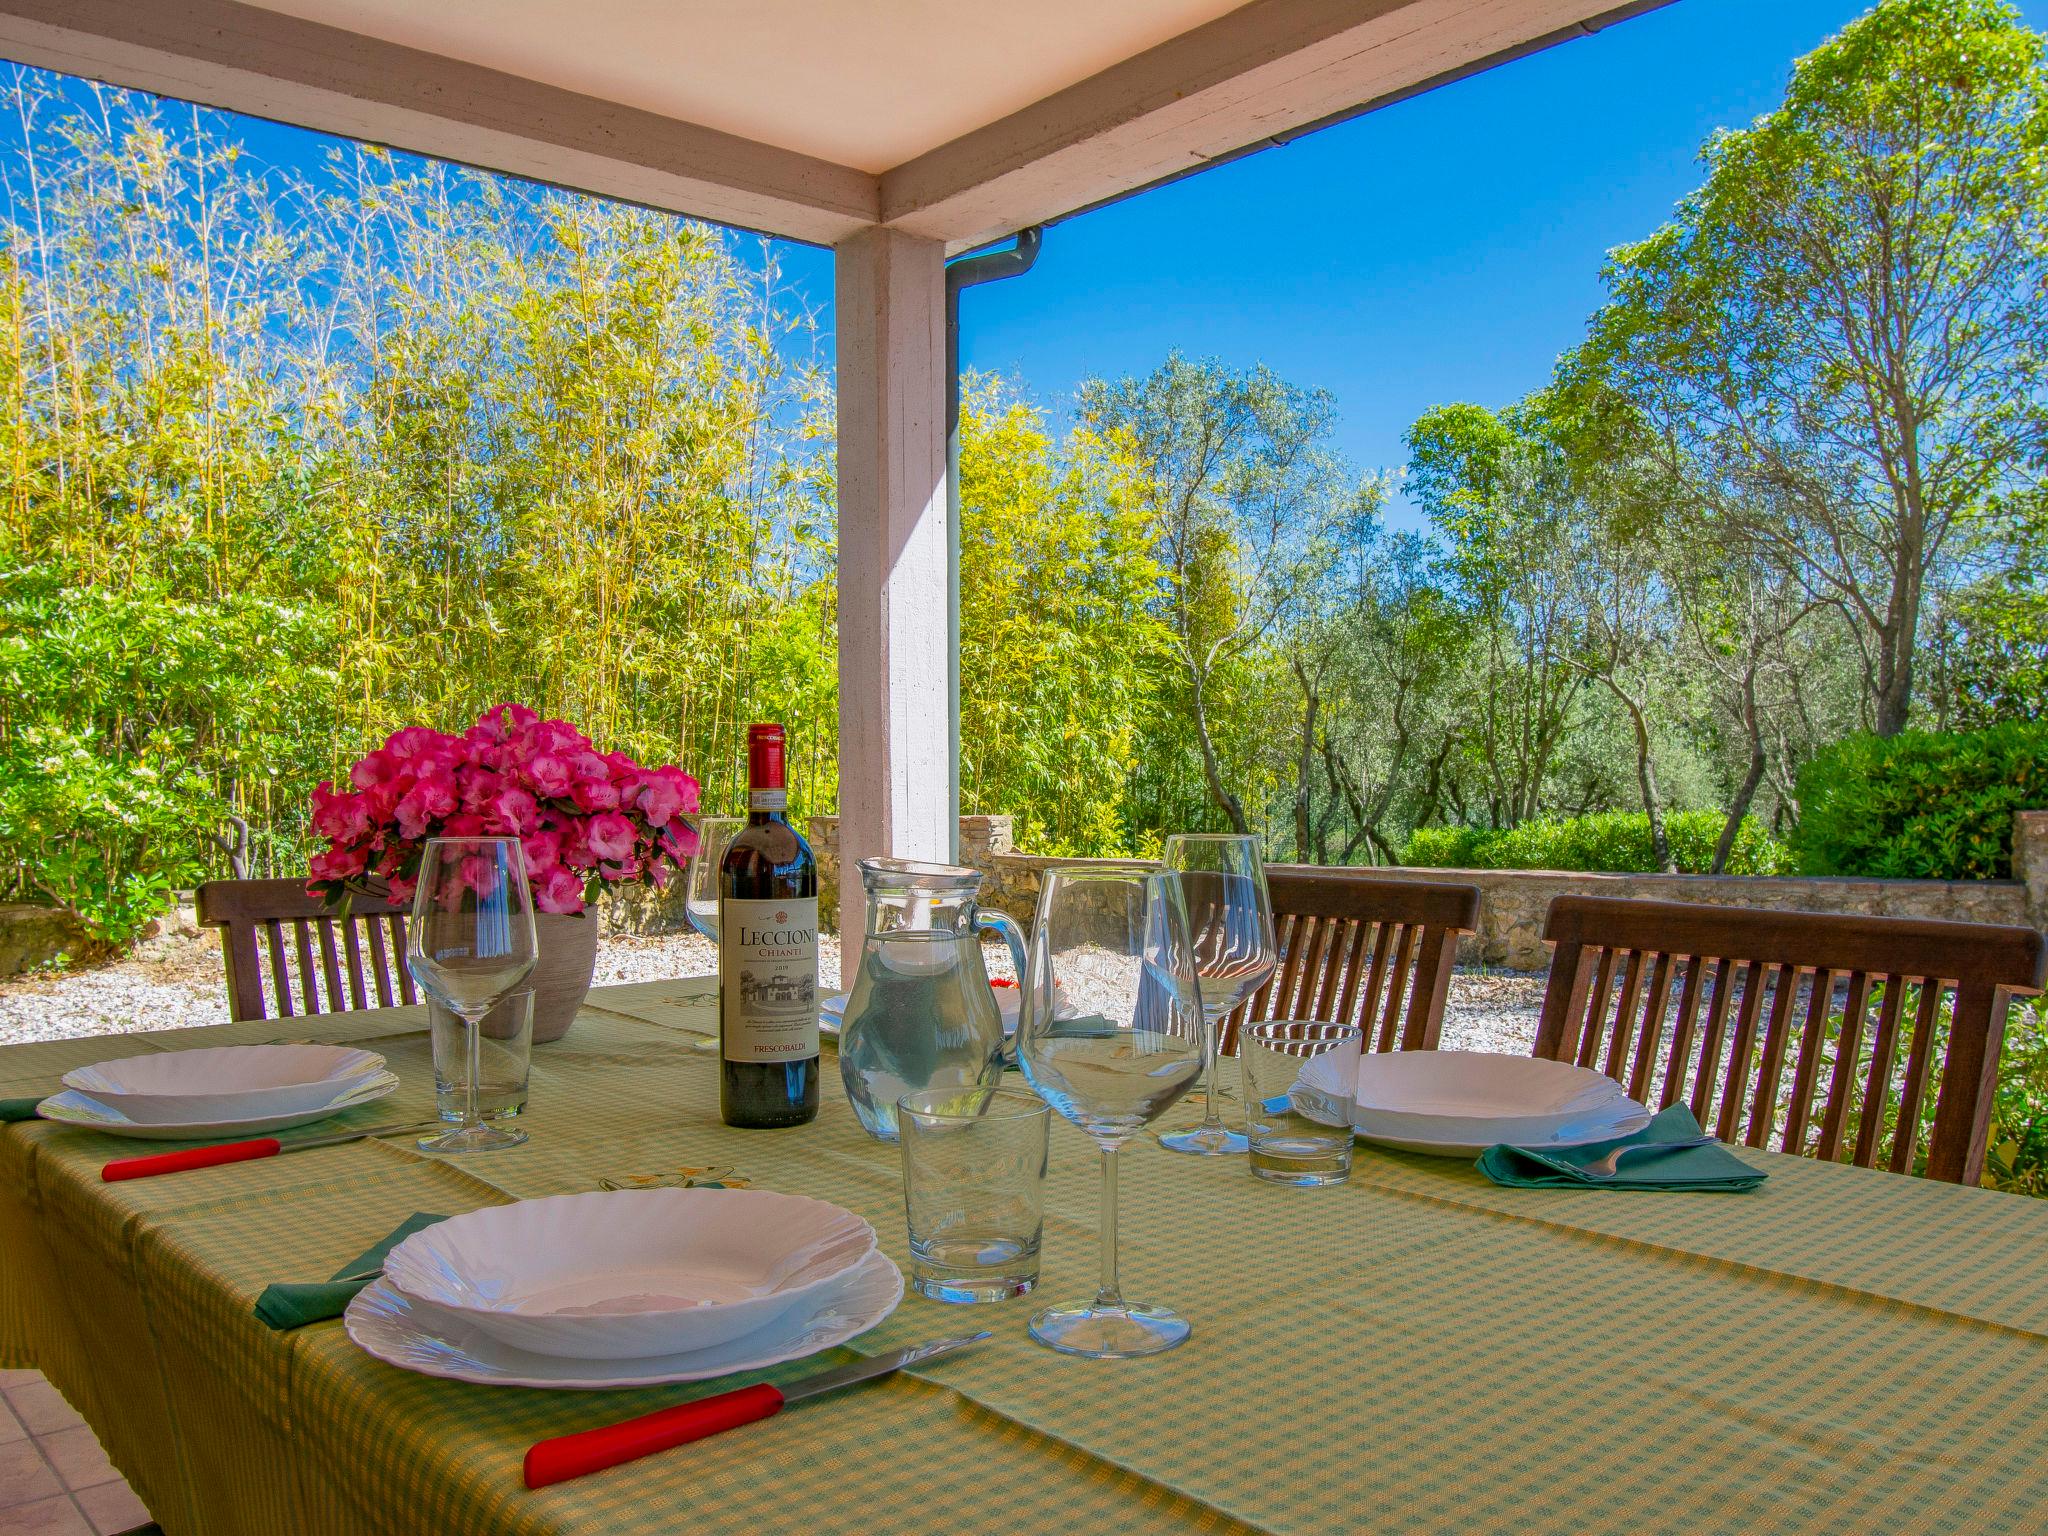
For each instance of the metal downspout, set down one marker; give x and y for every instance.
(989, 267)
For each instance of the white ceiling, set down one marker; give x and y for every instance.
(867, 85)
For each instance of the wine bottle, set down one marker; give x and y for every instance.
(767, 955)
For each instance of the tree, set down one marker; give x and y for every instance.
(1340, 592)
(1844, 327)
(1497, 487)
(1390, 726)
(1236, 476)
(1993, 639)
(1058, 644)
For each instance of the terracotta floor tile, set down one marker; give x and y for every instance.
(113, 1508)
(42, 1408)
(18, 1378)
(77, 1456)
(24, 1476)
(45, 1517)
(11, 1428)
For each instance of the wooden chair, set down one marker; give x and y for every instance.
(276, 921)
(1362, 950)
(1618, 963)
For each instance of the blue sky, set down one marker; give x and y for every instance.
(1443, 249)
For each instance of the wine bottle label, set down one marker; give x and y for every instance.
(768, 979)
(767, 799)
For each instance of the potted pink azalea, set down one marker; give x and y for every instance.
(586, 819)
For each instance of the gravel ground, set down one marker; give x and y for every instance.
(174, 981)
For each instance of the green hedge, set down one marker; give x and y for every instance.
(1921, 805)
(1617, 842)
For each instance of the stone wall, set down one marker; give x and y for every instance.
(33, 937)
(1512, 902)
(984, 840)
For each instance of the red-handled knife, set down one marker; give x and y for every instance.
(240, 1152)
(567, 1456)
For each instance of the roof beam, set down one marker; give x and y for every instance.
(265, 63)
(1266, 71)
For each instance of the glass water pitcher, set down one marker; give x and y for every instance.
(921, 1014)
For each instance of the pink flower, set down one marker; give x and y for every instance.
(543, 851)
(425, 803)
(478, 787)
(548, 775)
(343, 818)
(680, 842)
(610, 836)
(338, 864)
(375, 768)
(558, 891)
(380, 801)
(413, 743)
(516, 811)
(575, 843)
(579, 813)
(558, 738)
(595, 795)
(665, 793)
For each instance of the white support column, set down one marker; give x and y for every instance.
(897, 733)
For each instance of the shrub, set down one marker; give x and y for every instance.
(1617, 842)
(108, 837)
(2016, 1158)
(1920, 805)
(133, 723)
(2016, 1150)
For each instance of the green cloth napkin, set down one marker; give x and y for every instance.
(293, 1306)
(19, 1109)
(1709, 1167)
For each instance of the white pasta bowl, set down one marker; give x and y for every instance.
(1461, 1102)
(625, 1274)
(225, 1082)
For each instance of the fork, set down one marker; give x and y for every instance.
(1609, 1166)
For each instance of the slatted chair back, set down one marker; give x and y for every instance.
(315, 960)
(1785, 1028)
(1361, 950)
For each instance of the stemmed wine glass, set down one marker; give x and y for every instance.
(1231, 919)
(1125, 1043)
(470, 943)
(700, 895)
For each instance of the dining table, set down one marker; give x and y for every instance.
(1837, 1350)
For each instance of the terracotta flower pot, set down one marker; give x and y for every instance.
(568, 956)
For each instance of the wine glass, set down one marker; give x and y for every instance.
(700, 894)
(1125, 1043)
(1231, 920)
(471, 942)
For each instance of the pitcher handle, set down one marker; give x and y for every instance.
(1003, 923)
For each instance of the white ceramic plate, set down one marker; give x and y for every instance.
(627, 1274)
(74, 1108)
(224, 1082)
(1458, 1103)
(417, 1336)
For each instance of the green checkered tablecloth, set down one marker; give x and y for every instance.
(1842, 1350)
